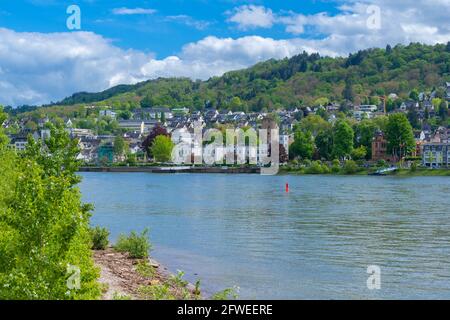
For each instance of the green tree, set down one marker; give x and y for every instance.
(364, 132)
(147, 102)
(443, 110)
(303, 145)
(321, 101)
(342, 139)
(125, 114)
(413, 118)
(359, 153)
(414, 95)
(3, 115)
(56, 154)
(324, 144)
(399, 134)
(236, 104)
(436, 102)
(119, 146)
(162, 148)
(427, 114)
(44, 227)
(3, 137)
(313, 124)
(348, 93)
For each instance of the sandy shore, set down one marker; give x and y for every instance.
(121, 279)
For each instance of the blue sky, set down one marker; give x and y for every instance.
(41, 60)
(173, 24)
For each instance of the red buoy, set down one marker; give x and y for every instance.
(287, 187)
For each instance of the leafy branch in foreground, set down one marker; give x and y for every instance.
(44, 227)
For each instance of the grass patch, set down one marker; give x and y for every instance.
(99, 237)
(118, 296)
(145, 269)
(156, 292)
(227, 294)
(137, 245)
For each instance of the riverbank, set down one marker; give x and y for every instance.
(125, 278)
(422, 172)
(419, 172)
(186, 169)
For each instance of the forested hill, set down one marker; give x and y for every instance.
(300, 80)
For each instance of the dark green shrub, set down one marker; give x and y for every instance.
(317, 168)
(336, 166)
(138, 246)
(381, 163)
(350, 167)
(99, 238)
(156, 292)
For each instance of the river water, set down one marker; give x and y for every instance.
(315, 242)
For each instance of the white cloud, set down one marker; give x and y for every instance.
(404, 21)
(189, 21)
(37, 68)
(132, 11)
(251, 16)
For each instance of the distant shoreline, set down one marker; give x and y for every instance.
(256, 170)
(149, 169)
(422, 172)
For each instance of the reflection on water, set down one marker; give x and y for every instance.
(314, 243)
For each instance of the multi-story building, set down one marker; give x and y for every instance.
(379, 147)
(18, 142)
(436, 155)
(360, 115)
(108, 113)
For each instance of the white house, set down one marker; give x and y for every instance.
(108, 113)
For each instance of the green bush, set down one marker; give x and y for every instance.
(336, 166)
(99, 237)
(227, 294)
(156, 292)
(119, 296)
(145, 269)
(306, 162)
(177, 280)
(45, 245)
(350, 167)
(138, 246)
(317, 168)
(381, 163)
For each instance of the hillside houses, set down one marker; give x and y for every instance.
(97, 127)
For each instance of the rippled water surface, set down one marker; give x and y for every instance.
(315, 242)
